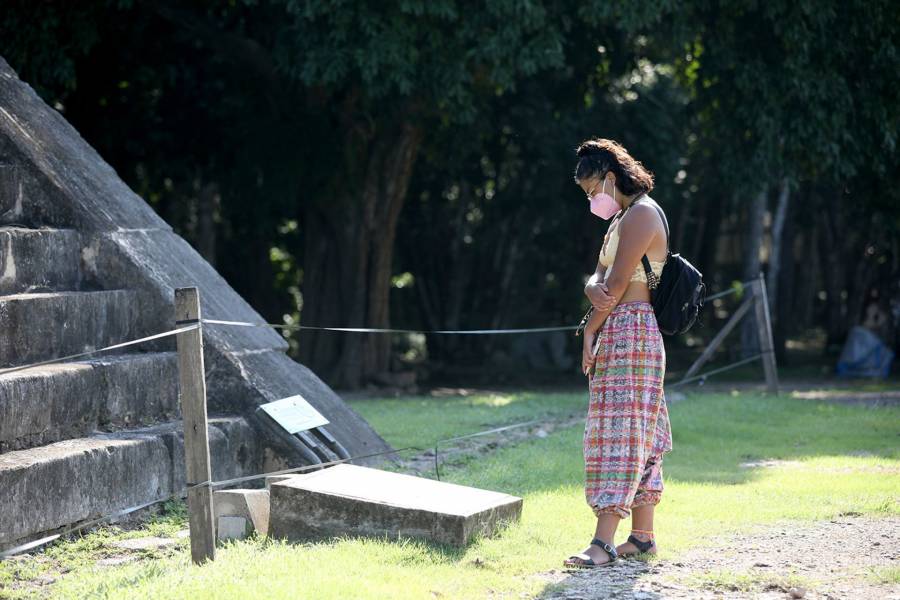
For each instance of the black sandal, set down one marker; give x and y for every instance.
(640, 545)
(588, 562)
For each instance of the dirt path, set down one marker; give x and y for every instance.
(849, 557)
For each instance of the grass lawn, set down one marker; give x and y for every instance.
(821, 460)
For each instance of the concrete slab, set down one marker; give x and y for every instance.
(238, 513)
(276, 478)
(353, 500)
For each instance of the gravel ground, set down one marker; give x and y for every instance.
(843, 558)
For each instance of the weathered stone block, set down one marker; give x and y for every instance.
(157, 262)
(74, 480)
(138, 388)
(24, 191)
(351, 500)
(54, 402)
(240, 512)
(39, 260)
(42, 326)
(46, 404)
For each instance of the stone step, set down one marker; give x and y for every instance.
(34, 260)
(50, 403)
(61, 484)
(43, 326)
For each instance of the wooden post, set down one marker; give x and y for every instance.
(192, 380)
(764, 333)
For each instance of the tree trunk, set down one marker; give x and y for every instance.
(781, 211)
(349, 254)
(786, 287)
(755, 213)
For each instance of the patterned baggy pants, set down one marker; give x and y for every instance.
(627, 429)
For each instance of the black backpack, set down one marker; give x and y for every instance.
(678, 293)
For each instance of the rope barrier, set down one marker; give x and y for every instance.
(50, 538)
(191, 324)
(437, 469)
(380, 330)
(727, 367)
(98, 351)
(727, 292)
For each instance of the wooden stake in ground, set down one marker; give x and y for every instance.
(193, 409)
(758, 301)
(764, 334)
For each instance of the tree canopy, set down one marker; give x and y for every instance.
(359, 163)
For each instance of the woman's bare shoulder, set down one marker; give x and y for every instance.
(640, 215)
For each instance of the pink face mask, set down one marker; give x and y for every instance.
(603, 205)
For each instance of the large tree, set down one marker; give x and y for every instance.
(377, 73)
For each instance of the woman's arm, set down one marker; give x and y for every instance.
(589, 337)
(636, 232)
(596, 291)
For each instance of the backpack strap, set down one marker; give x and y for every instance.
(652, 278)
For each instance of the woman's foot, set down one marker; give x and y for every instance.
(638, 543)
(599, 553)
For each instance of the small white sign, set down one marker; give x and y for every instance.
(294, 414)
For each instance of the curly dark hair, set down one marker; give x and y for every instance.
(599, 156)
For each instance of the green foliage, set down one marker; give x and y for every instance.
(257, 115)
(45, 40)
(440, 54)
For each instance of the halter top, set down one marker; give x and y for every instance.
(608, 255)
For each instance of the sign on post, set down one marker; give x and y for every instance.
(294, 414)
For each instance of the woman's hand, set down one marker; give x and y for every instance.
(587, 352)
(598, 294)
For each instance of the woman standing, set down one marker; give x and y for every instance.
(627, 429)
